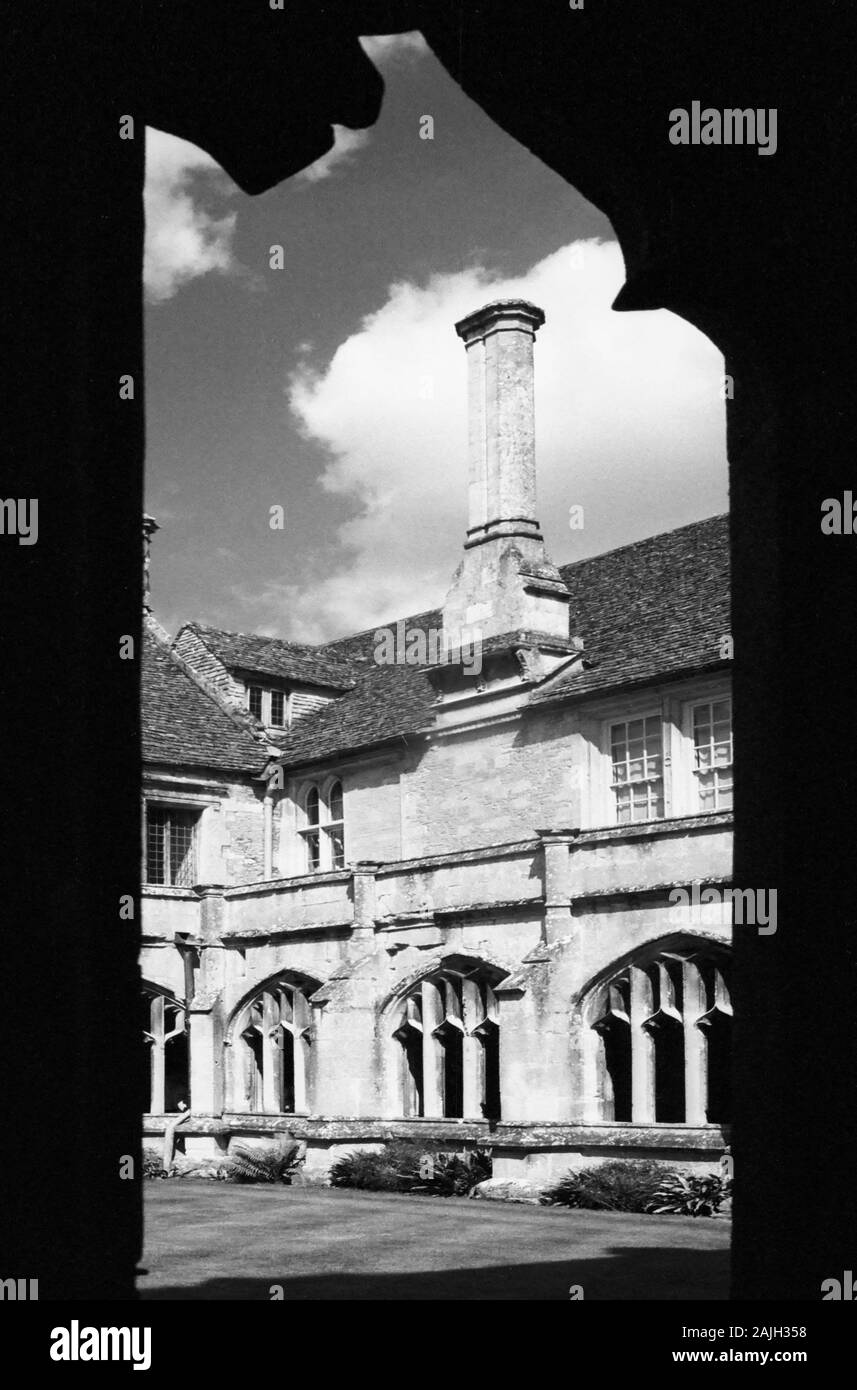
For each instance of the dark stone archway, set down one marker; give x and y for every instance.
(754, 251)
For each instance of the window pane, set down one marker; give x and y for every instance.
(337, 848)
(312, 853)
(156, 819)
(278, 708)
(653, 734)
(255, 700)
(637, 769)
(712, 737)
(182, 858)
(617, 735)
(335, 801)
(312, 804)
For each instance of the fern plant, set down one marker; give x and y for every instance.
(452, 1174)
(394, 1168)
(262, 1165)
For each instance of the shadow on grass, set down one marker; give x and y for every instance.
(649, 1274)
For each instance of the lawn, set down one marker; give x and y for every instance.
(208, 1240)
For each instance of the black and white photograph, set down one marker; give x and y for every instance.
(429, 568)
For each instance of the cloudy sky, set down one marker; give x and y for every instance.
(335, 386)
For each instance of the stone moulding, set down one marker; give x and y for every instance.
(501, 1134)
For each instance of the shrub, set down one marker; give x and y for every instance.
(628, 1185)
(263, 1165)
(454, 1175)
(405, 1166)
(153, 1166)
(695, 1195)
(394, 1169)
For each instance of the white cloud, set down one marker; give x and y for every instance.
(183, 239)
(385, 49)
(345, 146)
(629, 424)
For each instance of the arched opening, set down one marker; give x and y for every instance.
(658, 1036)
(165, 1033)
(448, 1043)
(272, 1049)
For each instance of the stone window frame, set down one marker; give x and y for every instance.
(183, 807)
(469, 1018)
(653, 715)
(326, 833)
(675, 706)
(266, 693)
(205, 804)
(638, 994)
(159, 1036)
(254, 1089)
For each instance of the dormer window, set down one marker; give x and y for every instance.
(270, 707)
(254, 700)
(278, 708)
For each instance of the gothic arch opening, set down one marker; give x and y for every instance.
(447, 1035)
(271, 1047)
(657, 1038)
(166, 1037)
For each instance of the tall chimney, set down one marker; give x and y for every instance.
(150, 526)
(505, 582)
(502, 443)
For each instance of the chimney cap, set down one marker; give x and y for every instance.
(500, 313)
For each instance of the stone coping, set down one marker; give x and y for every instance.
(544, 1135)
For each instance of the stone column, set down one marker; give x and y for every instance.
(363, 889)
(642, 1050)
(205, 1021)
(695, 1048)
(432, 1052)
(558, 921)
(472, 1053)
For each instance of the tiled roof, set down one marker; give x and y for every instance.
(182, 723)
(271, 656)
(360, 646)
(648, 611)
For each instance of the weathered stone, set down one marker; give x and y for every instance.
(507, 1190)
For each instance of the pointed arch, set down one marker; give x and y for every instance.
(268, 1042)
(165, 1034)
(445, 1026)
(657, 1035)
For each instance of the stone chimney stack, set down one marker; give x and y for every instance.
(505, 582)
(150, 526)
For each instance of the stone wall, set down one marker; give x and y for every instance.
(358, 942)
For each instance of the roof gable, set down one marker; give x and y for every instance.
(185, 724)
(272, 656)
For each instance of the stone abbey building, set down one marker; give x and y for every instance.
(387, 895)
